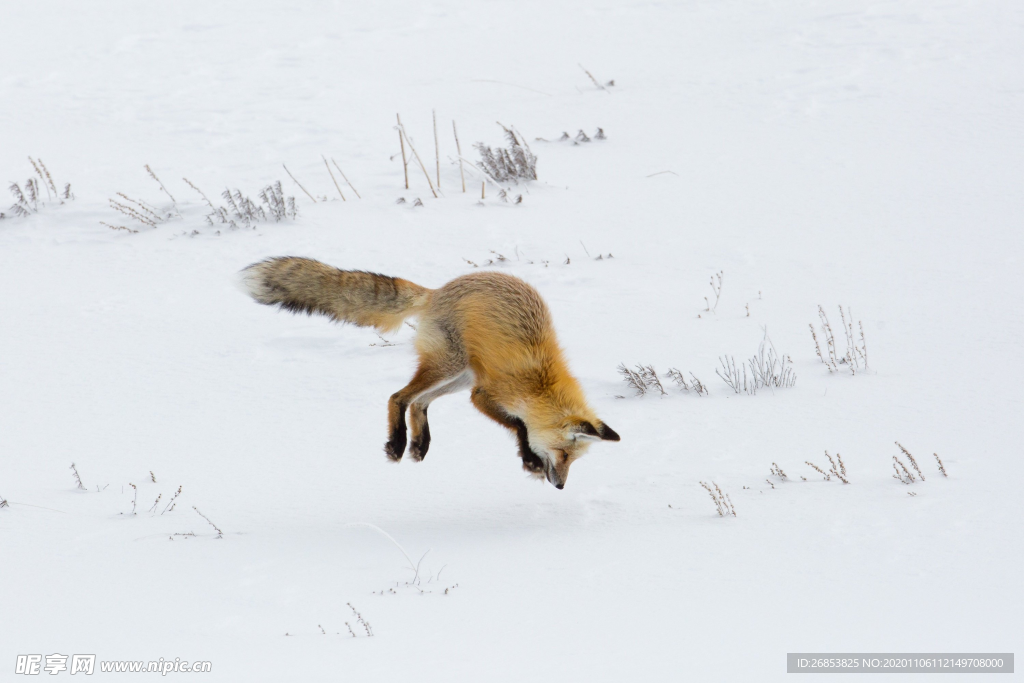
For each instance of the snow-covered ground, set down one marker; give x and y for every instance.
(864, 153)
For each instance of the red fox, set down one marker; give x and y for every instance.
(488, 332)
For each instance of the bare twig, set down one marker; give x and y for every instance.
(153, 175)
(205, 198)
(437, 150)
(401, 141)
(345, 177)
(171, 503)
(118, 227)
(299, 184)
(594, 80)
(942, 468)
(817, 469)
(220, 534)
(458, 150)
(333, 178)
(418, 160)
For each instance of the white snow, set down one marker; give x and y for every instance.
(868, 153)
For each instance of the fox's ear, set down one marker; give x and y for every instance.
(607, 433)
(586, 429)
(603, 432)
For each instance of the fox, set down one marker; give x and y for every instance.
(487, 332)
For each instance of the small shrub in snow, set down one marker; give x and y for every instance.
(359, 617)
(30, 199)
(138, 210)
(716, 288)
(722, 501)
(913, 462)
(78, 479)
(695, 384)
(512, 164)
(633, 380)
(902, 473)
(172, 502)
(777, 471)
(856, 354)
(645, 378)
(840, 472)
(768, 370)
(581, 136)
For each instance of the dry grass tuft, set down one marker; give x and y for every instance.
(359, 617)
(840, 472)
(777, 471)
(722, 501)
(903, 475)
(913, 462)
(942, 467)
(856, 356)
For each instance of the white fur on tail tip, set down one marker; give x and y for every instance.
(250, 282)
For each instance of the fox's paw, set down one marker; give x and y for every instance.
(395, 447)
(420, 444)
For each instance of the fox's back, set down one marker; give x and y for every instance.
(496, 318)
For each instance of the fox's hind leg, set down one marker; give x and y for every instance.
(426, 377)
(430, 381)
(420, 441)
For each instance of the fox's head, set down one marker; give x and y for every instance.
(559, 445)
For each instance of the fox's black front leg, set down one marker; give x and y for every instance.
(531, 461)
(486, 405)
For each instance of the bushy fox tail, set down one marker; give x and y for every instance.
(302, 285)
